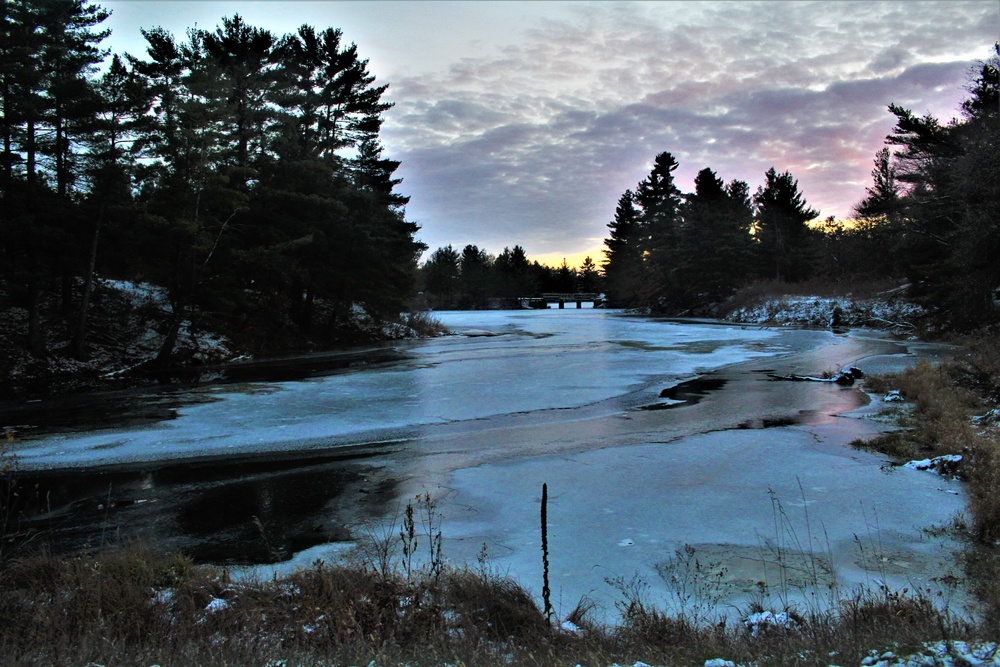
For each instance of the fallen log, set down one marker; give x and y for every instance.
(845, 378)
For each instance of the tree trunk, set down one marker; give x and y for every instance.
(80, 341)
(308, 309)
(170, 341)
(36, 337)
(66, 295)
(29, 149)
(8, 156)
(60, 151)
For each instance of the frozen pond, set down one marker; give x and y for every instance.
(503, 364)
(651, 435)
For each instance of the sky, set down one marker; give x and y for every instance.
(522, 123)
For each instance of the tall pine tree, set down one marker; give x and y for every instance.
(784, 238)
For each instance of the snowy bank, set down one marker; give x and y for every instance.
(128, 326)
(888, 313)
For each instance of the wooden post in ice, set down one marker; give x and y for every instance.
(546, 592)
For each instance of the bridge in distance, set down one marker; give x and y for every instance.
(560, 299)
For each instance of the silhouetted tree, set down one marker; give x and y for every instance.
(783, 236)
(659, 202)
(441, 275)
(475, 267)
(242, 172)
(512, 273)
(716, 245)
(588, 277)
(950, 193)
(624, 255)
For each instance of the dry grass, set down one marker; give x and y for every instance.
(134, 606)
(946, 398)
(424, 323)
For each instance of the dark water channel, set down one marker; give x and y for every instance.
(256, 510)
(250, 512)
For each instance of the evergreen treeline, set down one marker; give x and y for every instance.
(675, 252)
(931, 217)
(240, 169)
(935, 204)
(474, 279)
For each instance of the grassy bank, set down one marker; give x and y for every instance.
(396, 601)
(949, 417)
(137, 607)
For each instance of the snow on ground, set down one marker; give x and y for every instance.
(125, 332)
(825, 311)
(940, 654)
(140, 293)
(933, 654)
(128, 322)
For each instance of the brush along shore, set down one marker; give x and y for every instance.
(949, 414)
(132, 606)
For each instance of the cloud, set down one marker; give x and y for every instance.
(535, 142)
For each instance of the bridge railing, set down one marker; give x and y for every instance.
(562, 298)
(571, 296)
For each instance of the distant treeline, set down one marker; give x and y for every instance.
(473, 279)
(239, 169)
(931, 218)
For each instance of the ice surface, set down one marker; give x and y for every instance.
(627, 488)
(742, 498)
(539, 361)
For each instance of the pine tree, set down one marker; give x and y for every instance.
(49, 51)
(512, 273)
(475, 267)
(783, 236)
(950, 192)
(882, 198)
(623, 267)
(589, 278)
(115, 147)
(69, 54)
(659, 202)
(716, 241)
(243, 59)
(441, 276)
